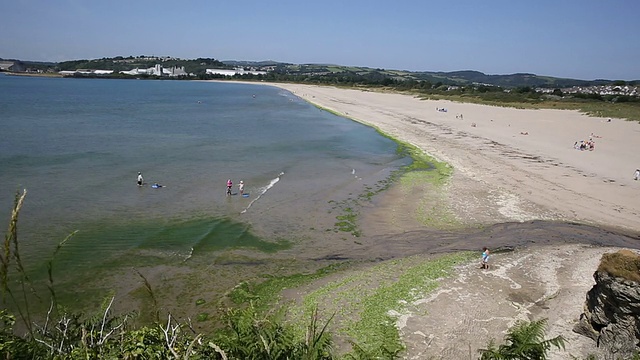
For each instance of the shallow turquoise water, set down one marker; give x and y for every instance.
(76, 145)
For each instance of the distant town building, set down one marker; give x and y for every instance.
(158, 70)
(236, 71)
(628, 90)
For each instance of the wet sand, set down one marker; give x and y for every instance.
(537, 176)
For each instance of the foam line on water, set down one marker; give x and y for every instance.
(263, 190)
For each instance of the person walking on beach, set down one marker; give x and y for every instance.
(140, 179)
(229, 185)
(636, 175)
(241, 187)
(485, 258)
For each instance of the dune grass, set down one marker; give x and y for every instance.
(624, 264)
(628, 111)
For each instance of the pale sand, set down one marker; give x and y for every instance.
(475, 306)
(501, 175)
(519, 172)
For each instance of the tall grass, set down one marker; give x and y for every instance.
(64, 334)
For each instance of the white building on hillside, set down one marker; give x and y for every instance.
(237, 71)
(158, 70)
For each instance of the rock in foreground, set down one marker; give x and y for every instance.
(611, 314)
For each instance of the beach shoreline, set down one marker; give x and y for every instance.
(517, 165)
(516, 182)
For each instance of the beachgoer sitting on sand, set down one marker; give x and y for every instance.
(473, 124)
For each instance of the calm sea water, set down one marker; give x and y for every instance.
(76, 145)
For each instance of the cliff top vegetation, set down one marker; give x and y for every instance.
(623, 263)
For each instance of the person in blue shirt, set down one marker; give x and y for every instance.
(485, 258)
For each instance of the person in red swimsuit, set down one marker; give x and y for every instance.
(229, 185)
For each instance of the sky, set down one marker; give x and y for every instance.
(579, 39)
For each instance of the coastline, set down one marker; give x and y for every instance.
(516, 182)
(420, 217)
(508, 164)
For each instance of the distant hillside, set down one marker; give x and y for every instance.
(448, 78)
(235, 63)
(120, 63)
(516, 80)
(321, 73)
(20, 66)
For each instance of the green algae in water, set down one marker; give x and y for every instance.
(108, 246)
(85, 268)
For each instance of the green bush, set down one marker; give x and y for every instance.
(524, 341)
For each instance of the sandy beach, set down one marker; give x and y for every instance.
(517, 174)
(522, 161)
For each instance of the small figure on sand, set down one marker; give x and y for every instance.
(636, 175)
(140, 179)
(241, 187)
(229, 185)
(485, 258)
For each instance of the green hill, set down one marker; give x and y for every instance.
(324, 73)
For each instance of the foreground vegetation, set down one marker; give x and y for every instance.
(256, 328)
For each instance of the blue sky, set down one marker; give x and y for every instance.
(583, 39)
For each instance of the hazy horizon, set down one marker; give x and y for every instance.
(571, 39)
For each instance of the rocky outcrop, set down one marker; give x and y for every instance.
(611, 314)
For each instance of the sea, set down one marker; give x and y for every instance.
(77, 145)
